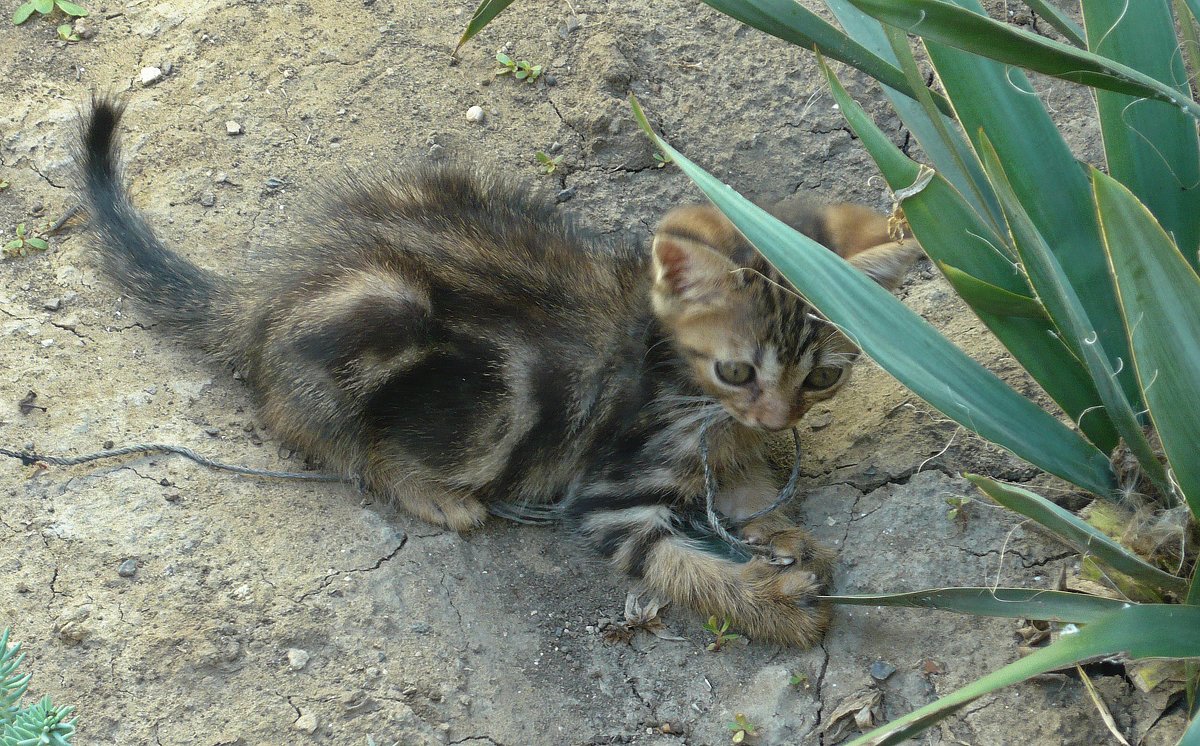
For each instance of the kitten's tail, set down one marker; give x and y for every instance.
(194, 302)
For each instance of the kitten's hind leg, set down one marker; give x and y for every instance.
(431, 502)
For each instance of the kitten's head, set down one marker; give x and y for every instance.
(751, 342)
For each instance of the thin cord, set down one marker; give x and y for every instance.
(716, 522)
(32, 459)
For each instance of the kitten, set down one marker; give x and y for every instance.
(457, 347)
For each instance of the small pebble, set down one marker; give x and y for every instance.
(47, 343)
(436, 151)
(53, 304)
(475, 114)
(880, 670)
(297, 658)
(221, 178)
(551, 79)
(233, 128)
(273, 182)
(37, 209)
(84, 29)
(555, 146)
(167, 67)
(307, 722)
(565, 194)
(150, 75)
(128, 568)
(207, 199)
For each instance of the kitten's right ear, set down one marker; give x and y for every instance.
(687, 270)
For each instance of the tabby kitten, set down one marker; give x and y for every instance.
(457, 347)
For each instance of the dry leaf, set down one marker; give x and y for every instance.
(859, 706)
(644, 616)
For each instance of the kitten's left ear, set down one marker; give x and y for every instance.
(887, 263)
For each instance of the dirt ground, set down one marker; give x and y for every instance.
(177, 605)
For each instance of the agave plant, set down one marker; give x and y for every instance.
(1088, 277)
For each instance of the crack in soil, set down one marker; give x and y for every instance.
(328, 579)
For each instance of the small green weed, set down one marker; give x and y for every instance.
(24, 243)
(40, 723)
(721, 632)
(741, 728)
(799, 680)
(662, 160)
(519, 69)
(46, 7)
(3, 185)
(549, 164)
(958, 509)
(66, 32)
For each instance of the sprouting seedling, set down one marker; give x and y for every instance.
(549, 164)
(661, 160)
(958, 509)
(24, 243)
(721, 632)
(45, 8)
(799, 681)
(519, 69)
(3, 185)
(66, 32)
(741, 728)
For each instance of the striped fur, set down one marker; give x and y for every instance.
(456, 345)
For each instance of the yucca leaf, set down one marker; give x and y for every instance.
(984, 296)
(1191, 737)
(792, 22)
(1136, 632)
(938, 135)
(950, 24)
(902, 342)
(483, 15)
(1150, 147)
(1059, 20)
(1078, 533)
(1065, 306)
(955, 235)
(1008, 603)
(1160, 301)
(989, 98)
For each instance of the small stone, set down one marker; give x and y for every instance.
(820, 420)
(128, 568)
(555, 146)
(307, 722)
(150, 75)
(53, 304)
(565, 195)
(437, 152)
(167, 67)
(37, 209)
(551, 79)
(233, 128)
(221, 178)
(880, 670)
(475, 114)
(297, 658)
(47, 343)
(274, 182)
(84, 29)
(208, 199)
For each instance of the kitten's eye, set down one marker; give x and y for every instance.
(735, 374)
(823, 377)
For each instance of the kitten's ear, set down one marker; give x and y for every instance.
(686, 269)
(887, 263)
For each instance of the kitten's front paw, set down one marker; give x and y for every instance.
(783, 584)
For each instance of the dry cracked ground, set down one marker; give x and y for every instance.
(177, 605)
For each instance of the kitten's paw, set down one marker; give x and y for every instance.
(452, 511)
(790, 545)
(781, 593)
